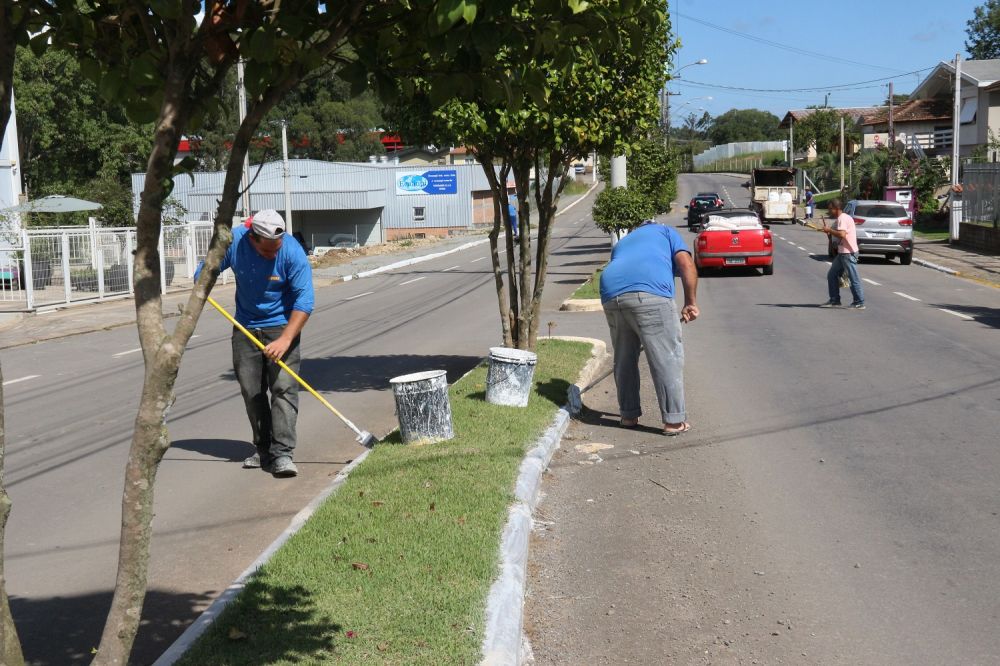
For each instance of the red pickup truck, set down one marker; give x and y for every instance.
(734, 239)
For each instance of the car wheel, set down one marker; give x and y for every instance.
(906, 258)
(768, 270)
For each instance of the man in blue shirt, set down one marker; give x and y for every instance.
(274, 298)
(637, 293)
(512, 212)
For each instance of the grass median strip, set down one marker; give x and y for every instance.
(591, 288)
(395, 567)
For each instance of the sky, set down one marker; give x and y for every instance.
(832, 43)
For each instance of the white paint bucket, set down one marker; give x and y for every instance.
(510, 375)
(423, 407)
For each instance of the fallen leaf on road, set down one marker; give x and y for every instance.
(359, 566)
(377, 503)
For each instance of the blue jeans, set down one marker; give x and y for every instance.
(845, 262)
(272, 418)
(638, 319)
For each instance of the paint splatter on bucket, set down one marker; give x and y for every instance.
(510, 375)
(423, 407)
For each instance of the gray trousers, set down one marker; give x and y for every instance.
(272, 418)
(638, 319)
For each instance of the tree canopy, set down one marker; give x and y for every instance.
(738, 125)
(983, 31)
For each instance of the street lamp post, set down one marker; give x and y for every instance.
(665, 95)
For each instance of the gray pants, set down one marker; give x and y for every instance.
(636, 320)
(272, 419)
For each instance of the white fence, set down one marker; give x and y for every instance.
(47, 267)
(730, 150)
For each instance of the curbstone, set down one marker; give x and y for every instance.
(503, 640)
(936, 267)
(581, 305)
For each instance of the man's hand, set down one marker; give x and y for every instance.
(689, 313)
(277, 349)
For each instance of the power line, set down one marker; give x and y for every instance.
(859, 85)
(785, 47)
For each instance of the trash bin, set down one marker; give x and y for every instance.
(423, 407)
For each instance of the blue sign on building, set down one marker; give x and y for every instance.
(435, 181)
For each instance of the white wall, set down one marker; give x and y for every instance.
(10, 175)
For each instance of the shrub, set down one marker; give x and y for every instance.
(621, 208)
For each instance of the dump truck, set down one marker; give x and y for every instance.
(773, 193)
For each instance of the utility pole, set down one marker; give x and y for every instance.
(285, 172)
(890, 176)
(842, 151)
(245, 180)
(791, 141)
(618, 179)
(956, 126)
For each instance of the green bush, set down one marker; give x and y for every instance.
(621, 208)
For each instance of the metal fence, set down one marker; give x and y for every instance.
(46, 267)
(981, 194)
(729, 150)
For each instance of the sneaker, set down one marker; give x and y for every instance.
(831, 304)
(857, 306)
(253, 462)
(284, 467)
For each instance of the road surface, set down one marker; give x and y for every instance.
(836, 502)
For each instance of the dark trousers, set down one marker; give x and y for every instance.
(272, 417)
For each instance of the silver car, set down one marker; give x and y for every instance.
(884, 227)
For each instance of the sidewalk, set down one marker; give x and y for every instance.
(959, 260)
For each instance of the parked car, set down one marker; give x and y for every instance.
(718, 200)
(699, 206)
(884, 227)
(579, 168)
(734, 239)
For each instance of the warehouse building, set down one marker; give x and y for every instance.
(343, 202)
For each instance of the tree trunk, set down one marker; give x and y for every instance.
(546, 199)
(522, 179)
(10, 646)
(486, 162)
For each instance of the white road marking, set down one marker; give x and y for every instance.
(801, 248)
(450, 269)
(20, 379)
(196, 335)
(906, 296)
(124, 353)
(413, 280)
(351, 298)
(877, 284)
(475, 260)
(782, 237)
(958, 314)
(791, 242)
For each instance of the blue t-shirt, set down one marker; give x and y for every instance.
(643, 261)
(267, 290)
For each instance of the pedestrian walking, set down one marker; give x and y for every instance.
(512, 213)
(274, 298)
(637, 293)
(846, 260)
(810, 204)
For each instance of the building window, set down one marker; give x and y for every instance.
(418, 214)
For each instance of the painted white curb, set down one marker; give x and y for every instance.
(502, 641)
(435, 255)
(937, 267)
(210, 614)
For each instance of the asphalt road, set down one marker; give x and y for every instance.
(71, 403)
(836, 502)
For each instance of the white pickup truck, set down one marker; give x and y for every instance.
(773, 193)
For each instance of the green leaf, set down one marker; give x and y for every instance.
(141, 110)
(144, 71)
(470, 12)
(262, 45)
(578, 5)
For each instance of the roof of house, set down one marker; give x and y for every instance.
(981, 73)
(852, 112)
(914, 110)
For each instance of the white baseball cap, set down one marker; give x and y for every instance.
(268, 224)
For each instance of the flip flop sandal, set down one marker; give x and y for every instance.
(679, 431)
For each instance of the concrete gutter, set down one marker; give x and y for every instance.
(503, 639)
(581, 305)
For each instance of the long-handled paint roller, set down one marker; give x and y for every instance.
(364, 437)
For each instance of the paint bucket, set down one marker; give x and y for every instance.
(509, 378)
(423, 407)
